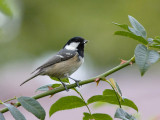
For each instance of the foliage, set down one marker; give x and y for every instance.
(48, 87)
(96, 116)
(65, 103)
(15, 112)
(109, 96)
(1, 117)
(66, 80)
(144, 58)
(32, 106)
(120, 113)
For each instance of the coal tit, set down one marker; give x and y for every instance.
(65, 62)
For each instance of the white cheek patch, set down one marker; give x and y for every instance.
(72, 46)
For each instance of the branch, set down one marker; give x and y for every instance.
(59, 89)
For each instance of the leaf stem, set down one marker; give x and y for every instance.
(59, 89)
(83, 100)
(115, 93)
(10, 99)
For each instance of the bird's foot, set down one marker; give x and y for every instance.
(77, 83)
(64, 85)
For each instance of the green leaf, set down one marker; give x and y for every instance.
(155, 46)
(87, 116)
(120, 113)
(99, 104)
(137, 26)
(156, 41)
(113, 83)
(66, 80)
(112, 100)
(65, 103)
(118, 88)
(32, 106)
(96, 116)
(136, 32)
(1, 116)
(110, 97)
(55, 85)
(157, 37)
(46, 87)
(4, 7)
(124, 26)
(15, 112)
(125, 101)
(108, 92)
(144, 57)
(131, 35)
(101, 116)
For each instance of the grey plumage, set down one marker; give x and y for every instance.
(38, 73)
(59, 57)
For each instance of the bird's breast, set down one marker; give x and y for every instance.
(65, 68)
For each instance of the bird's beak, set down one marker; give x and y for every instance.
(85, 41)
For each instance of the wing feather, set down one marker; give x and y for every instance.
(62, 55)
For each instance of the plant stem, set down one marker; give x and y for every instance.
(115, 93)
(59, 89)
(10, 99)
(83, 100)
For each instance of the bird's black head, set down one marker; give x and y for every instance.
(78, 40)
(76, 43)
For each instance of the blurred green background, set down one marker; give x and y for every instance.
(46, 25)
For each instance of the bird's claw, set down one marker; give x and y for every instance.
(65, 86)
(77, 83)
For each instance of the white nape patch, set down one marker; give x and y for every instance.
(72, 46)
(60, 56)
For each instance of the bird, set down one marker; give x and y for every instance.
(64, 63)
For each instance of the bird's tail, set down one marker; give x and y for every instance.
(38, 73)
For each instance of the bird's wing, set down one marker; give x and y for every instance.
(62, 55)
